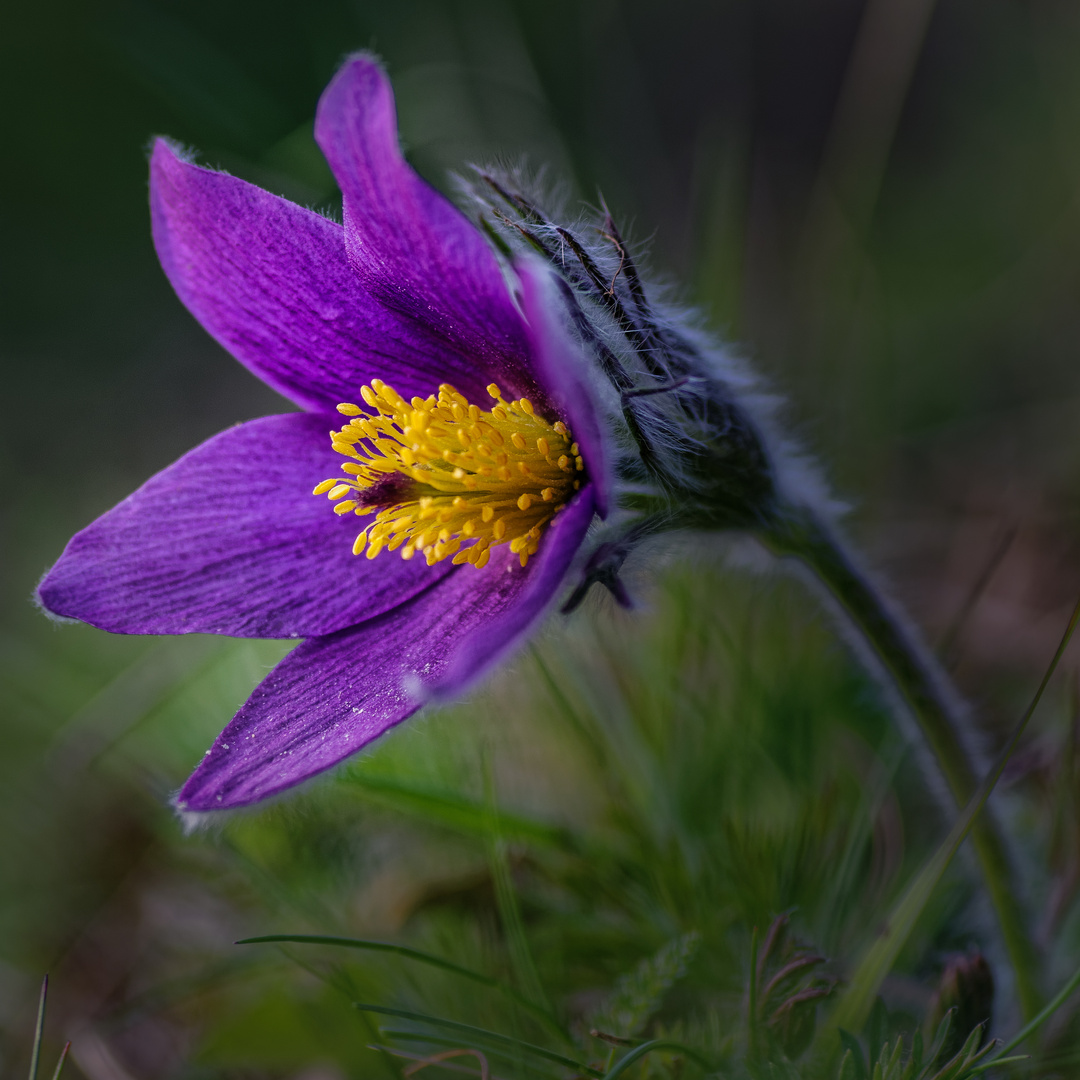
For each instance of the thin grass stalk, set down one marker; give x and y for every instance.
(39, 1030)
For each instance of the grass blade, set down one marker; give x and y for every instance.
(457, 813)
(639, 1052)
(39, 1030)
(413, 954)
(373, 946)
(506, 899)
(1038, 1021)
(480, 1033)
(63, 1058)
(975, 1070)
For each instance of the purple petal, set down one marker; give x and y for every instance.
(490, 643)
(560, 366)
(333, 695)
(230, 540)
(272, 283)
(412, 248)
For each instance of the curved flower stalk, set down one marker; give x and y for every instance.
(699, 449)
(440, 393)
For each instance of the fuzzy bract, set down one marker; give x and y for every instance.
(404, 305)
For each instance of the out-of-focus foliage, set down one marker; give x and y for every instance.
(879, 200)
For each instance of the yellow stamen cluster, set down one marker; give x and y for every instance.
(449, 480)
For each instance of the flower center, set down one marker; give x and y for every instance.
(446, 478)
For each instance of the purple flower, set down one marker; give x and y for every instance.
(480, 446)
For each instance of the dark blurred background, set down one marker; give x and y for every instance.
(875, 200)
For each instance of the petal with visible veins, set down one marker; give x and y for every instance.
(230, 540)
(272, 283)
(333, 695)
(411, 247)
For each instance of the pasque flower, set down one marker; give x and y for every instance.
(442, 395)
(474, 384)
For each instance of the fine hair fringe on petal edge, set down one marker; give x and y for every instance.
(35, 599)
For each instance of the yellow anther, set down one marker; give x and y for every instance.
(435, 474)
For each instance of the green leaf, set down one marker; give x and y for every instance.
(847, 1067)
(854, 1053)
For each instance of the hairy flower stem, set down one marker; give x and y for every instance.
(926, 689)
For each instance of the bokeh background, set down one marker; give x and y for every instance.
(877, 201)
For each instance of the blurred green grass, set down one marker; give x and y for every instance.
(702, 765)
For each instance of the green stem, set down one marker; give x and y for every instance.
(927, 691)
